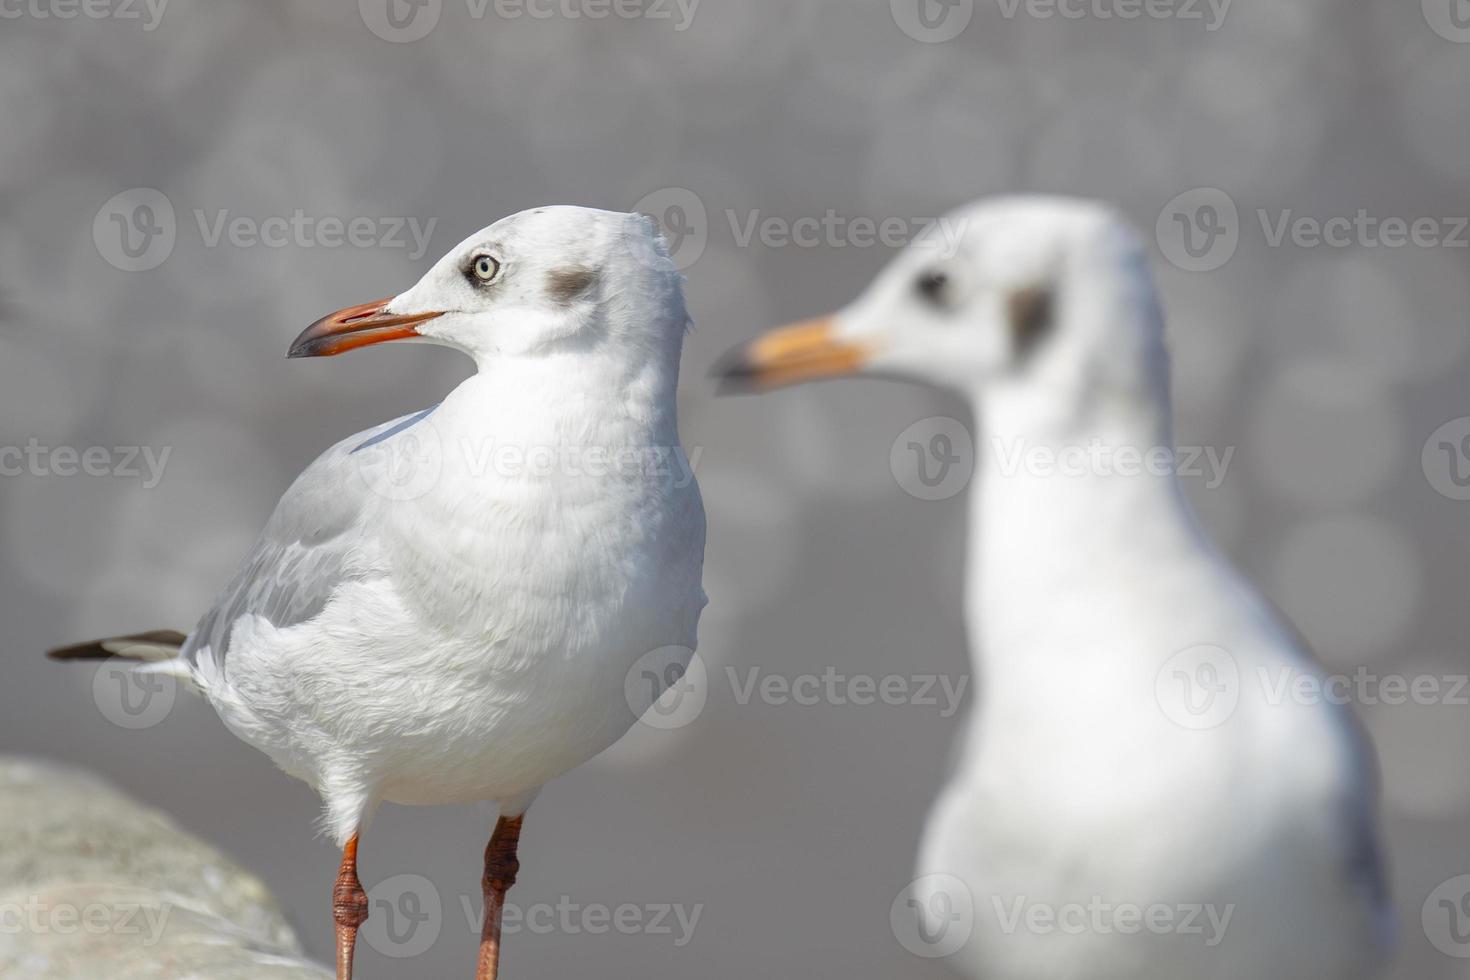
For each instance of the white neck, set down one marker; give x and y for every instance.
(1076, 512)
(569, 399)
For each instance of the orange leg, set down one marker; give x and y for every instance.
(349, 908)
(500, 873)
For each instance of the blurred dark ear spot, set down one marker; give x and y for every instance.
(1032, 314)
(565, 285)
(934, 287)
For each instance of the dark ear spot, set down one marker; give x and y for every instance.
(934, 287)
(1032, 312)
(567, 284)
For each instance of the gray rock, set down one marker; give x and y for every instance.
(93, 884)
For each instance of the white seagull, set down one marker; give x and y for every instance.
(444, 608)
(1142, 792)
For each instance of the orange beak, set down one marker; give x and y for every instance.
(801, 352)
(356, 326)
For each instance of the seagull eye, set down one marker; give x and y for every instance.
(484, 268)
(933, 286)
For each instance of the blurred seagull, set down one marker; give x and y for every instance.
(422, 626)
(1136, 797)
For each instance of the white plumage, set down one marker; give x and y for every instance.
(444, 608)
(1098, 783)
(463, 633)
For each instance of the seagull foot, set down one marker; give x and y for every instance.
(349, 908)
(500, 873)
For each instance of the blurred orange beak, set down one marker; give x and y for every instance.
(356, 326)
(801, 352)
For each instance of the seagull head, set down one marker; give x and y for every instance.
(545, 281)
(1051, 296)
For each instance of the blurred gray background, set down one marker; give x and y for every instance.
(1336, 371)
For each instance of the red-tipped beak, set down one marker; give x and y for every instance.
(357, 326)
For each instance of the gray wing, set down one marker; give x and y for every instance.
(312, 544)
(1357, 807)
(1366, 868)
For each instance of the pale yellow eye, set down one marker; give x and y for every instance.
(484, 268)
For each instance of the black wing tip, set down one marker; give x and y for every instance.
(81, 651)
(94, 649)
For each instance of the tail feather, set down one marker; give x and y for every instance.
(150, 646)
